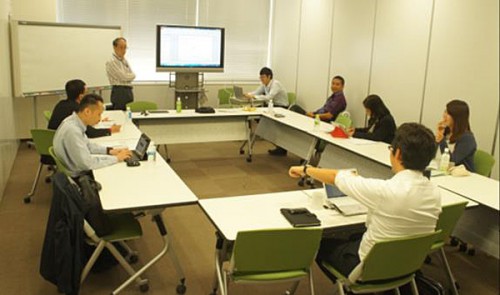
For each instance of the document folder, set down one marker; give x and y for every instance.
(300, 217)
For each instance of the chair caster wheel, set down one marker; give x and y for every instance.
(428, 260)
(454, 242)
(48, 179)
(301, 182)
(471, 252)
(144, 288)
(242, 152)
(168, 160)
(27, 200)
(249, 159)
(462, 247)
(181, 289)
(132, 259)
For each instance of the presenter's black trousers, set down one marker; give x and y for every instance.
(120, 96)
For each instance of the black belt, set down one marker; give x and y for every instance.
(123, 86)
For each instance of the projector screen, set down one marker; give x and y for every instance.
(189, 49)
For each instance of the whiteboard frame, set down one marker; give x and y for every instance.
(16, 62)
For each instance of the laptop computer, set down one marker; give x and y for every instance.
(140, 149)
(346, 205)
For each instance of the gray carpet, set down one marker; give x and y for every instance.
(210, 170)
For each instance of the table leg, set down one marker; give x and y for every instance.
(181, 288)
(221, 250)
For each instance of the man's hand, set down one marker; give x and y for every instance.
(310, 114)
(121, 154)
(249, 95)
(115, 128)
(350, 131)
(296, 171)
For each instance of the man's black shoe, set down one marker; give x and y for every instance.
(277, 152)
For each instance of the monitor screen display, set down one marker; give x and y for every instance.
(189, 49)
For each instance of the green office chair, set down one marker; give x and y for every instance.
(388, 266)
(446, 223)
(141, 106)
(292, 99)
(483, 162)
(47, 115)
(61, 167)
(125, 227)
(224, 95)
(42, 139)
(344, 119)
(266, 256)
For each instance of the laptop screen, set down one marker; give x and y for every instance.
(332, 191)
(142, 145)
(238, 92)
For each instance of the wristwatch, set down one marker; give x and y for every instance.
(305, 169)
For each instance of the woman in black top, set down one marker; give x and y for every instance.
(381, 125)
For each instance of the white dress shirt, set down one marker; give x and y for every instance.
(406, 204)
(275, 91)
(74, 149)
(119, 71)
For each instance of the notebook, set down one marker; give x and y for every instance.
(300, 217)
(346, 205)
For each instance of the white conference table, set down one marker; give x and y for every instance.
(191, 127)
(150, 187)
(231, 215)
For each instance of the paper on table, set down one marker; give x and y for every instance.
(359, 141)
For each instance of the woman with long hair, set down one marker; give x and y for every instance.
(381, 125)
(454, 132)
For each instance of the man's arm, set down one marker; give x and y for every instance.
(275, 89)
(97, 132)
(82, 155)
(115, 69)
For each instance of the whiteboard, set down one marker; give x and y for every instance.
(47, 55)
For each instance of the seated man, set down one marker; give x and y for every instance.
(270, 89)
(407, 204)
(75, 90)
(333, 106)
(72, 145)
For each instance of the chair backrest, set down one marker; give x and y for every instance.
(292, 98)
(47, 115)
(483, 162)
(448, 219)
(398, 257)
(224, 94)
(275, 250)
(140, 106)
(43, 140)
(60, 165)
(344, 119)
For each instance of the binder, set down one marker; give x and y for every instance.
(300, 217)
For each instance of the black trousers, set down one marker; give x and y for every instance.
(341, 254)
(120, 96)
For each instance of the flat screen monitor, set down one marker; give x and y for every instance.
(189, 49)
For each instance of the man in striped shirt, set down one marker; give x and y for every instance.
(120, 75)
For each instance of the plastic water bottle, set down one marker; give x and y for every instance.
(129, 115)
(316, 123)
(445, 160)
(270, 107)
(151, 153)
(178, 105)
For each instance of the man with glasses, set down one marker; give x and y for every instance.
(120, 76)
(407, 204)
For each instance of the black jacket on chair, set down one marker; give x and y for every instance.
(62, 257)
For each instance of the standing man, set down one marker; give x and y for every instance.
(120, 75)
(270, 90)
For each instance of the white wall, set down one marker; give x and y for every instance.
(416, 54)
(351, 51)
(8, 142)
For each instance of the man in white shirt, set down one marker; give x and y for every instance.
(120, 76)
(74, 149)
(407, 204)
